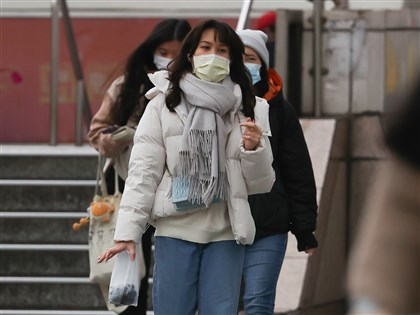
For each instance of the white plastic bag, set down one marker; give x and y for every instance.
(125, 281)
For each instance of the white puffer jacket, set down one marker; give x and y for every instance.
(147, 195)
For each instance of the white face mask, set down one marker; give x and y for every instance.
(161, 62)
(211, 67)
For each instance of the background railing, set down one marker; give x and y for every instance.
(82, 100)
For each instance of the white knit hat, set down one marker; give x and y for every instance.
(256, 40)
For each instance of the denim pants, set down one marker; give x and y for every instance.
(262, 265)
(191, 276)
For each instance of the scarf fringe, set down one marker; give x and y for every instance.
(203, 191)
(201, 142)
(198, 160)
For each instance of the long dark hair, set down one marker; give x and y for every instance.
(131, 100)
(262, 87)
(238, 72)
(403, 132)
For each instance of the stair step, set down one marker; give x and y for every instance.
(41, 215)
(30, 265)
(54, 293)
(44, 247)
(59, 312)
(49, 280)
(46, 196)
(47, 162)
(32, 150)
(44, 280)
(45, 264)
(55, 312)
(41, 230)
(65, 293)
(44, 167)
(47, 182)
(41, 227)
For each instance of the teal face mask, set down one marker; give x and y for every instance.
(254, 69)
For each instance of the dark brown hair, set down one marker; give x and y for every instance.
(238, 72)
(131, 100)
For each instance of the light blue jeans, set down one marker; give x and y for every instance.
(262, 265)
(191, 276)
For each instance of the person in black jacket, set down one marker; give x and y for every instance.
(291, 205)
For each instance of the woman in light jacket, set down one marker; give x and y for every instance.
(125, 101)
(205, 128)
(124, 104)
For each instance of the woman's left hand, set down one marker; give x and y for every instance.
(310, 251)
(119, 246)
(252, 134)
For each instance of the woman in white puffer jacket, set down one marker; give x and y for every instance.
(205, 129)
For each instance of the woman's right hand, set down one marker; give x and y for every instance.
(119, 246)
(110, 148)
(252, 135)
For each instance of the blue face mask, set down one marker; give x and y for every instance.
(254, 69)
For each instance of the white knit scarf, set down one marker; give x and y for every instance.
(202, 154)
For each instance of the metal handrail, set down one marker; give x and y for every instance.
(82, 100)
(55, 39)
(243, 17)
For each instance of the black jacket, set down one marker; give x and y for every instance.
(291, 205)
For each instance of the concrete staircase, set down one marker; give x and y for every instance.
(44, 264)
(43, 190)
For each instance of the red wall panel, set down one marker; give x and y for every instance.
(25, 52)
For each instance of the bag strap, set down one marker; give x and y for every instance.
(100, 179)
(116, 183)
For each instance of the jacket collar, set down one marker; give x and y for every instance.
(161, 85)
